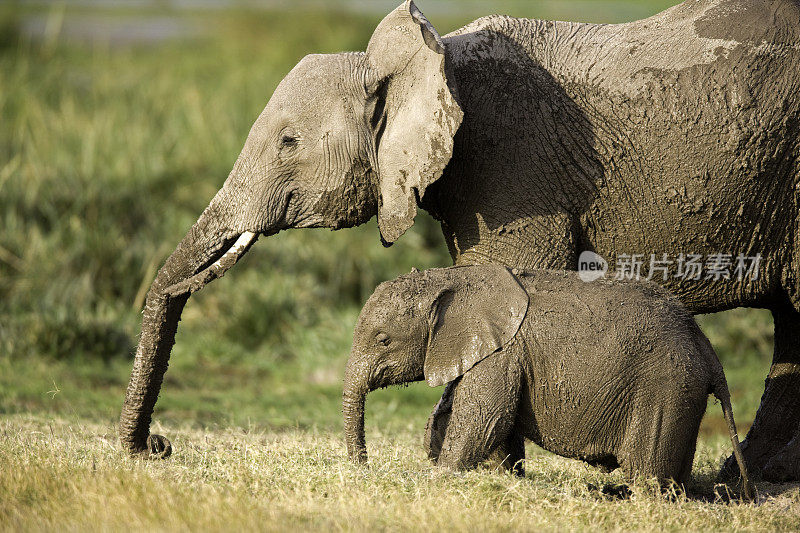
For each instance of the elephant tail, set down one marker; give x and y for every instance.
(722, 393)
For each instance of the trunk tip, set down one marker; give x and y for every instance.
(359, 456)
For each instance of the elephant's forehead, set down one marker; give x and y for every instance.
(386, 306)
(318, 76)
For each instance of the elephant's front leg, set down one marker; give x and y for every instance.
(772, 447)
(436, 428)
(510, 454)
(482, 420)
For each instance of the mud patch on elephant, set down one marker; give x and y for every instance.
(751, 22)
(352, 203)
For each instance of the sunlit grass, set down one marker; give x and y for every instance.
(70, 475)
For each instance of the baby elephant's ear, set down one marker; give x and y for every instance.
(473, 318)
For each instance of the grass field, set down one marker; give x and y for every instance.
(108, 153)
(68, 476)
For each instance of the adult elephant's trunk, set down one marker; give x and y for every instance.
(356, 388)
(208, 249)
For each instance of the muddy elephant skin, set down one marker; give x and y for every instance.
(532, 141)
(614, 373)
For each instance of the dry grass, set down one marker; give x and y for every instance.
(71, 475)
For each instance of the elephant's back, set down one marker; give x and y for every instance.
(603, 326)
(694, 32)
(606, 326)
(604, 298)
(750, 21)
(694, 36)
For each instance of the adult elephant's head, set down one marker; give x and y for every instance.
(343, 138)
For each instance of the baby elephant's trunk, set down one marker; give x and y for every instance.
(724, 396)
(354, 395)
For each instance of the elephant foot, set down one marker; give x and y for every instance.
(767, 460)
(756, 454)
(510, 455)
(772, 445)
(615, 491)
(158, 447)
(785, 466)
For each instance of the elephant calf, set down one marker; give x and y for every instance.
(614, 373)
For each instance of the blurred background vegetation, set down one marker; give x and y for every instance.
(118, 122)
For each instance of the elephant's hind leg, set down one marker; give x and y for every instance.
(772, 446)
(662, 446)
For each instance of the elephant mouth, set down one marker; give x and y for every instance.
(228, 254)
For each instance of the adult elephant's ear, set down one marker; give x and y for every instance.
(415, 114)
(478, 312)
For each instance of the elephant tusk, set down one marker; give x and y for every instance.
(235, 251)
(216, 270)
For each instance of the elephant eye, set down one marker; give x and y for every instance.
(382, 338)
(288, 140)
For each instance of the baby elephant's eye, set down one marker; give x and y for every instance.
(382, 338)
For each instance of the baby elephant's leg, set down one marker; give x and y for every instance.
(510, 454)
(662, 444)
(484, 412)
(436, 428)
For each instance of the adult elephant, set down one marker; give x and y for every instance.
(532, 141)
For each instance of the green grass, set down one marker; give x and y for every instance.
(108, 153)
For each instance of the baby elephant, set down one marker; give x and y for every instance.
(614, 373)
